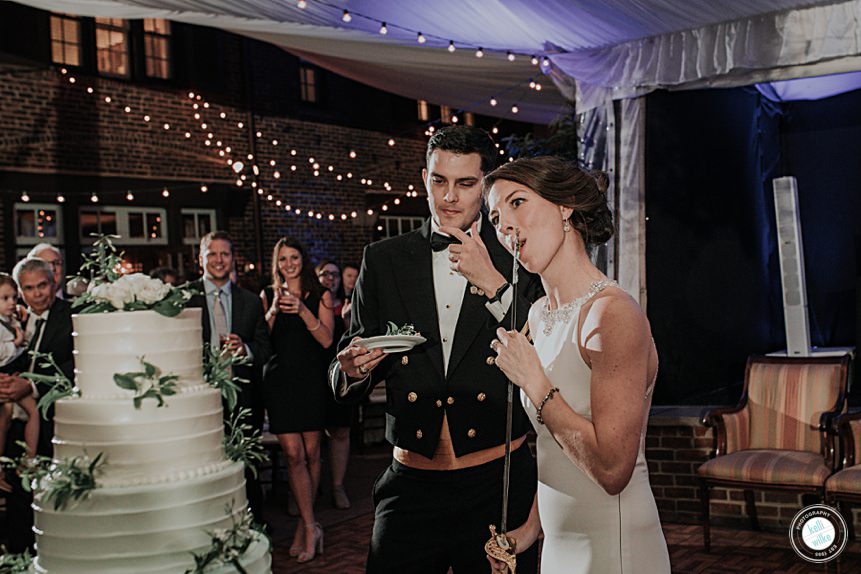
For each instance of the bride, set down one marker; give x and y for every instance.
(586, 384)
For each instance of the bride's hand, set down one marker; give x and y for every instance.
(517, 358)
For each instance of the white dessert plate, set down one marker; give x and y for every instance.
(392, 343)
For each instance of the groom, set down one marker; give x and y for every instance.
(446, 400)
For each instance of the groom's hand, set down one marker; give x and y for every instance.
(472, 260)
(356, 361)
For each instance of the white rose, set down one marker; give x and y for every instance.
(152, 291)
(99, 291)
(120, 293)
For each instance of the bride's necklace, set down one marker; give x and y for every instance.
(550, 317)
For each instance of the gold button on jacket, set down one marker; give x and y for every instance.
(405, 360)
(481, 397)
(419, 433)
(450, 400)
(412, 397)
(470, 433)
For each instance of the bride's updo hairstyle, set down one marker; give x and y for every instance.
(562, 183)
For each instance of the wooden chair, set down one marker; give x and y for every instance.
(778, 436)
(843, 488)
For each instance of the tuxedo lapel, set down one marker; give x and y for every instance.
(414, 276)
(473, 312)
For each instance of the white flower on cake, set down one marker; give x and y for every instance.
(132, 288)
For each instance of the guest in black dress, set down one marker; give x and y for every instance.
(300, 317)
(339, 416)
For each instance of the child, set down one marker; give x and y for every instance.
(11, 347)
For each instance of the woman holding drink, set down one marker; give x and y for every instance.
(301, 322)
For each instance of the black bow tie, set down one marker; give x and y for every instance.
(440, 242)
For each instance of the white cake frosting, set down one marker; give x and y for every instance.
(165, 483)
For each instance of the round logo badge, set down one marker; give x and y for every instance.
(818, 533)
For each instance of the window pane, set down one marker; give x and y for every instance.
(188, 226)
(108, 222)
(153, 224)
(57, 52)
(26, 223)
(56, 28)
(136, 225)
(73, 53)
(70, 31)
(48, 222)
(89, 223)
(204, 225)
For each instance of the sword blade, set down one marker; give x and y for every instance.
(509, 410)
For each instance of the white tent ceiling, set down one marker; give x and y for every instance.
(610, 48)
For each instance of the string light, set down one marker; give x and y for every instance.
(25, 197)
(493, 101)
(391, 142)
(479, 53)
(165, 192)
(130, 196)
(514, 109)
(61, 198)
(204, 189)
(383, 29)
(451, 47)
(346, 17)
(510, 55)
(421, 38)
(94, 197)
(301, 4)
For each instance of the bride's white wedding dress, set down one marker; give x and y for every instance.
(587, 530)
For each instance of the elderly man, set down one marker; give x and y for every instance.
(48, 330)
(51, 255)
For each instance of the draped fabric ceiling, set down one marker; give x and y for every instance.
(598, 51)
(607, 48)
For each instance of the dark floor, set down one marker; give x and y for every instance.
(347, 533)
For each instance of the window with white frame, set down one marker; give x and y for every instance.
(38, 223)
(134, 225)
(195, 224)
(112, 46)
(393, 225)
(65, 39)
(157, 47)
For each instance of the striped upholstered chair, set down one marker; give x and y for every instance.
(843, 488)
(777, 437)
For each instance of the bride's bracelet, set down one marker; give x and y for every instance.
(546, 398)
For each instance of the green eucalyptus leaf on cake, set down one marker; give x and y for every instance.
(242, 442)
(15, 563)
(61, 481)
(218, 369)
(227, 545)
(60, 385)
(147, 384)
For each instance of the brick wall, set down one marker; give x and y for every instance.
(676, 444)
(70, 138)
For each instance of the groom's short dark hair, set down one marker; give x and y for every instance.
(465, 140)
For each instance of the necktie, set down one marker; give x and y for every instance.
(439, 242)
(34, 342)
(220, 318)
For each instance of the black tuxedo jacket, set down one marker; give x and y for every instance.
(247, 321)
(57, 340)
(396, 284)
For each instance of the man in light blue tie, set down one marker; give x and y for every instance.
(233, 318)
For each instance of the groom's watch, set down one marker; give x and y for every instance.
(499, 293)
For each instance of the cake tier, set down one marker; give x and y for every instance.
(144, 529)
(110, 343)
(145, 445)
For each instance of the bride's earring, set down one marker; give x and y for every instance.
(566, 226)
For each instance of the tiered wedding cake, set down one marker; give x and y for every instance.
(165, 486)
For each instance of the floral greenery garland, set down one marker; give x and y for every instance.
(61, 386)
(242, 442)
(61, 481)
(218, 364)
(15, 563)
(228, 545)
(110, 290)
(148, 384)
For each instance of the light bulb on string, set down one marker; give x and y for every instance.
(479, 53)
(370, 212)
(301, 4)
(493, 101)
(346, 17)
(274, 142)
(165, 192)
(272, 162)
(383, 29)
(203, 189)
(391, 142)
(451, 47)
(238, 166)
(353, 214)
(495, 130)
(352, 154)
(454, 119)
(94, 197)
(511, 57)
(331, 217)
(531, 83)
(545, 62)
(130, 196)
(421, 38)
(61, 198)
(537, 87)
(514, 109)
(25, 197)
(222, 115)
